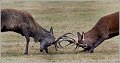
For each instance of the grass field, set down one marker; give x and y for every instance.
(63, 16)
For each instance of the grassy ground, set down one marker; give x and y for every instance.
(63, 16)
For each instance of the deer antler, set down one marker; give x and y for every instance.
(77, 46)
(64, 37)
(68, 39)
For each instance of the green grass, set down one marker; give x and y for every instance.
(63, 16)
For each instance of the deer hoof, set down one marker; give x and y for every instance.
(25, 53)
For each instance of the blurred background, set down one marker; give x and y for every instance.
(63, 16)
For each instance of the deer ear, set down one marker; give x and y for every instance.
(83, 36)
(79, 35)
(51, 30)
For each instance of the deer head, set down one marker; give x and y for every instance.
(83, 41)
(47, 41)
(50, 40)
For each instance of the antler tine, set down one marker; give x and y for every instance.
(61, 37)
(70, 38)
(76, 46)
(66, 38)
(70, 41)
(68, 34)
(60, 44)
(56, 47)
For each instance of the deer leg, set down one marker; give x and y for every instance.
(96, 44)
(105, 35)
(46, 50)
(26, 33)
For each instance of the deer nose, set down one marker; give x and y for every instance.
(85, 46)
(41, 49)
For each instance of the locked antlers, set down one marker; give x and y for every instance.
(65, 37)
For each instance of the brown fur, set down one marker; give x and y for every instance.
(23, 23)
(106, 28)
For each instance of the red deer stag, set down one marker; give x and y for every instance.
(106, 28)
(23, 23)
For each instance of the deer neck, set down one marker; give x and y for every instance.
(40, 33)
(92, 35)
